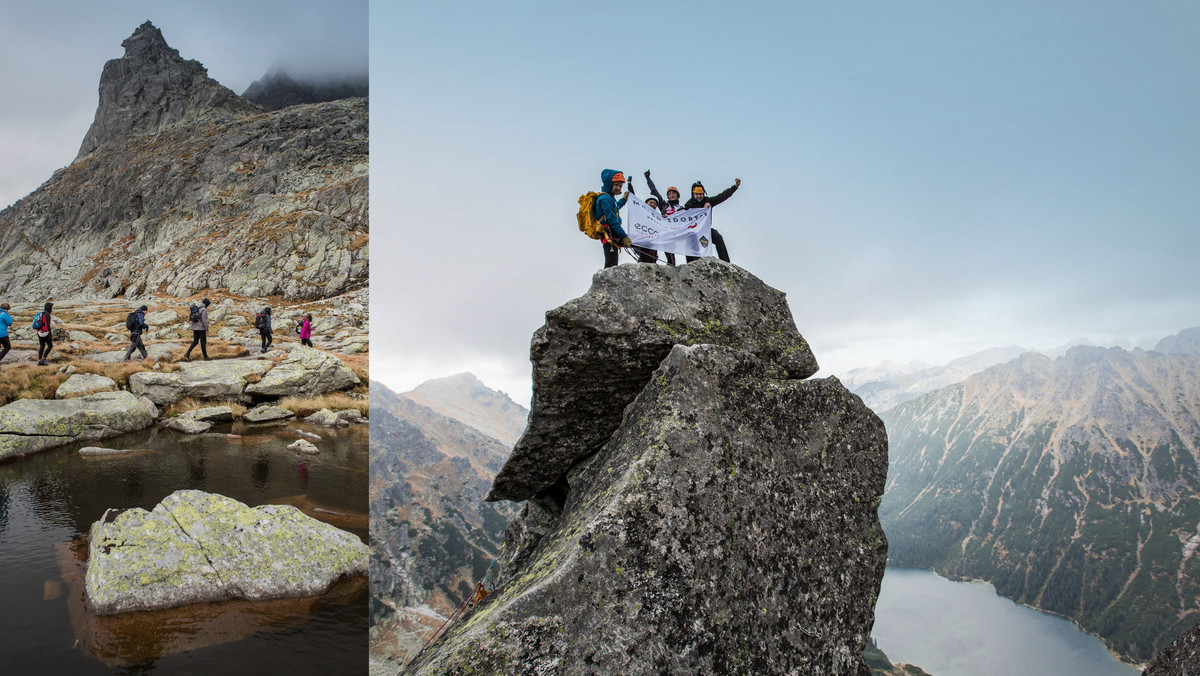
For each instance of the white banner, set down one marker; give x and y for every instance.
(687, 232)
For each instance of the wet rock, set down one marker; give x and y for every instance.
(302, 446)
(266, 413)
(80, 384)
(93, 451)
(326, 418)
(197, 546)
(32, 425)
(218, 379)
(595, 353)
(728, 526)
(187, 425)
(306, 372)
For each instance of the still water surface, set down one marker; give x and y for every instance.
(949, 628)
(48, 502)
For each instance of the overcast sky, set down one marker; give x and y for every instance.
(52, 54)
(923, 179)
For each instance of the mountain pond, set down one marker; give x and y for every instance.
(950, 628)
(48, 502)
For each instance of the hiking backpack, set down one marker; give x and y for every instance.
(194, 314)
(300, 327)
(588, 223)
(260, 321)
(131, 321)
(37, 321)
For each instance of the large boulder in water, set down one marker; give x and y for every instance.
(306, 372)
(595, 353)
(32, 425)
(197, 546)
(728, 526)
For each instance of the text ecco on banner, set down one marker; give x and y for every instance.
(686, 232)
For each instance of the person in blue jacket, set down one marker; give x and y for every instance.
(607, 212)
(5, 322)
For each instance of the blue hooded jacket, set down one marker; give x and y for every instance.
(5, 322)
(607, 206)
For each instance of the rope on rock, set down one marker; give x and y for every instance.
(478, 593)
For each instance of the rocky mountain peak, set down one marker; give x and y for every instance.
(697, 503)
(277, 89)
(152, 86)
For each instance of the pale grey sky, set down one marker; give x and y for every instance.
(923, 179)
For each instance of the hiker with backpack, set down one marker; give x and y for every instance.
(136, 323)
(700, 200)
(6, 321)
(262, 322)
(607, 211)
(305, 330)
(41, 324)
(198, 318)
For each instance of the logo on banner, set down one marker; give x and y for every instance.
(703, 240)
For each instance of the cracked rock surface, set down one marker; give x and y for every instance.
(196, 546)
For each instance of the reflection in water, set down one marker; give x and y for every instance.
(50, 500)
(261, 471)
(302, 471)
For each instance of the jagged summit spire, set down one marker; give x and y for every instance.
(152, 86)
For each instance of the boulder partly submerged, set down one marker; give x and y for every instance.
(306, 372)
(196, 546)
(32, 425)
(595, 353)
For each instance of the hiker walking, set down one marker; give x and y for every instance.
(41, 324)
(306, 330)
(262, 322)
(607, 210)
(5, 322)
(198, 316)
(701, 200)
(136, 323)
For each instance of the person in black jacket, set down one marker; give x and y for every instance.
(135, 334)
(701, 200)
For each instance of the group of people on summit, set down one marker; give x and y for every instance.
(607, 208)
(135, 322)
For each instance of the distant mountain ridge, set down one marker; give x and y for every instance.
(432, 534)
(1072, 485)
(277, 90)
(886, 386)
(464, 398)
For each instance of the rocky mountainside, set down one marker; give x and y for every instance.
(1069, 484)
(432, 534)
(694, 503)
(1186, 341)
(277, 90)
(465, 399)
(884, 388)
(182, 186)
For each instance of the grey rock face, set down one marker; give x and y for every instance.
(32, 425)
(152, 86)
(182, 186)
(1181, 658)
(265, 413)
(728, 526)
(197, 546)
(188, 425)
(277, 90)
(212, 414)
(327, 418)
(596, 353)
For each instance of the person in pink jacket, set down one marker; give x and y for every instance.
(306, 330)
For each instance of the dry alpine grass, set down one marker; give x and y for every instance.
(26, 381)
(336, 401)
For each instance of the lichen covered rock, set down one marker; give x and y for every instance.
(306, 372)
(32, 425)
(197, 546)
(80, 384)
(266, 413)
(213, 380)
(728, 526)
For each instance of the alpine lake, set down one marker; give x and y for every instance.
(964, 628)
(48, 502)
